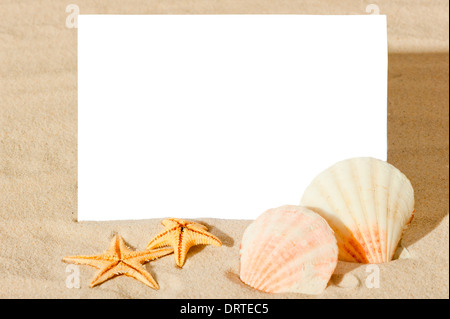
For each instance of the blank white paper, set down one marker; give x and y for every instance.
(222, 116)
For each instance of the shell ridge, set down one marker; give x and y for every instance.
(354, 252)
(356, 171)
(375, 171)
(350, 213)
(268, 266)
(389, 213)
(262, 260)
(330, 266)
(266, 227)
(269, 246)
(294, 264)
(250, 241)
(385, 217)
(393, 214)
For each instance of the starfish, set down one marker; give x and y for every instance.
(182, 235)
(119, 260)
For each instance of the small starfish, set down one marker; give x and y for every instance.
(119, 260)
(182, 235)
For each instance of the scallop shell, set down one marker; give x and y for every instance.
(288, 249)
(367, 202)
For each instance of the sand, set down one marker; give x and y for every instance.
(38, 159)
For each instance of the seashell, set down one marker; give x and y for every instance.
(288, 249)
(367, 202)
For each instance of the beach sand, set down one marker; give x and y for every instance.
(38, 160)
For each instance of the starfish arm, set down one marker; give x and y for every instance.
(137, 271)
(170, 222)
(114, 247)
(197, 226)
(182, 250)
(181, 247)
(106, 273)
(121, 247)
(201, 237)
(98, 261)
(192, 237)
(146, 256)
(164, 238)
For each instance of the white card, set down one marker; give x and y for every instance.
(222, 116)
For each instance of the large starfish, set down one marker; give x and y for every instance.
(119, 260)
(182, 235)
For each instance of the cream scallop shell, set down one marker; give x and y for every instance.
(367, 202)
(288, 249)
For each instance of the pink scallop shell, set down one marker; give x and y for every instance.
(288, 249)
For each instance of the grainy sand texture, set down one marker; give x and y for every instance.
(38, 158)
